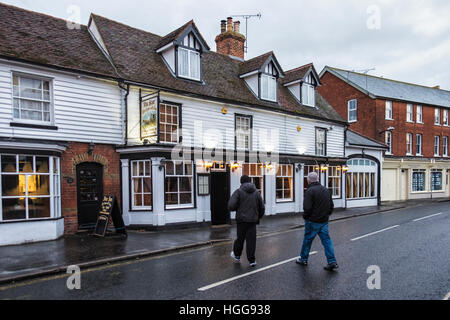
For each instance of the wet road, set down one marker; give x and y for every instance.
(410, 247)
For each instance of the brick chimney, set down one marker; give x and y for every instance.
(230, 41)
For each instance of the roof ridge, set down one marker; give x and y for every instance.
(261, 55)
(37, 13)
(387, 79)
(298, 68)
(125, 25)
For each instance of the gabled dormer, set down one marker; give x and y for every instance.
(261, 75)
(302, 82)
(182, 52)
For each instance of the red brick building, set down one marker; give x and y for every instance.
(412, 119)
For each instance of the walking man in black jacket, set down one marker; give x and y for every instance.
(318, 207)
(249, 207)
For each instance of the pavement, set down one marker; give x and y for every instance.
(29, 261)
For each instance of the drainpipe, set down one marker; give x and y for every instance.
(125, 120)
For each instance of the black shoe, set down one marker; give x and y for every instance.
(332, 267)
(301, 262)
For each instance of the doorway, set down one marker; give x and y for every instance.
(220, 195)
(89, 193)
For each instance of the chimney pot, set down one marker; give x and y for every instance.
(237, 26)
(223, 26)
(229, 24)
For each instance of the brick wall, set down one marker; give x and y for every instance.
(372, 117)
(75, 154)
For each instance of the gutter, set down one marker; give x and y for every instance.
(125, 119)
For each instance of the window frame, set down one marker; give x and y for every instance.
(310, 88)
(271, 79)
(54, 186)
(421, 171)
(389, 112)
(250, 133)
(292, 187)
(133, 207)
(445, 117)
(350, 110)
(191, 205)
(51, 111)
(445, 146)
(418, 107)
(433, 181)
(437, 116)
(262, 175)
(361, 171)
(179, 118)
(200, 177)
(325, 146)
(437, 146)
(389, 134)
(409, 144)
(178, 63)
(337, 177)
(419, 144)
(409, 113)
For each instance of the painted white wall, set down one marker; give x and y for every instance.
(169, 57)
(271, 131)
(30, 231)
(252, 82)
(85, 109)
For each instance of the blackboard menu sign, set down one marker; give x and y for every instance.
(109, 210)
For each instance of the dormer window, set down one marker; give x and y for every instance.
(309, 92)
(188, 64)
(182, 51)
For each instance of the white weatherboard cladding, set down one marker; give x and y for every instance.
(268, 127)
(30, 231)
(85, 109)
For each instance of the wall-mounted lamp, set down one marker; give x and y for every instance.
(325, 168)
(208, 165)
(390, 129)
(224, 110)
(235, 166)
(269, 166)
(162, 164)
(91, 148)
(299, 128)
(298, 167)
(344, 168)
(146, 142)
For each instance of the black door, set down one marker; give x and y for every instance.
(90, 193)
(220, 195)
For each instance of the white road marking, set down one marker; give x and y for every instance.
(371, 234)
(433, 215)
(249, 273)
(447, 297)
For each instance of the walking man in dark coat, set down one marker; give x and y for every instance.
(249, 207)
(318, 207)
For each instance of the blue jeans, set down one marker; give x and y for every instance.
(311, 231)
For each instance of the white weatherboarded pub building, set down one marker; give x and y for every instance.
(163, 123)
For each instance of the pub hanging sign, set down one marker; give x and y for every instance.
(149, 110)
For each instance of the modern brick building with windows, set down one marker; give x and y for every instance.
(412, 120)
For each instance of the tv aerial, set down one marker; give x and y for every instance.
(247, 17)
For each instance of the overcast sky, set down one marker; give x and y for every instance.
(406, 40)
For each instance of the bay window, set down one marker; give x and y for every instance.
(31, 99)
(179, 190)
(141, 185)
(268, 87)
(361, 182)
(30, 187)
(188, 64)
(284, 183)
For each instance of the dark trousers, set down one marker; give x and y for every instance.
(246, 232)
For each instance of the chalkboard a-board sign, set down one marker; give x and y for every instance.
(109, 210)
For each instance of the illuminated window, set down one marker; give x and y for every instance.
(334, 181)
(179, 184)
(284, 183)
(256, 173)
(30, 187)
